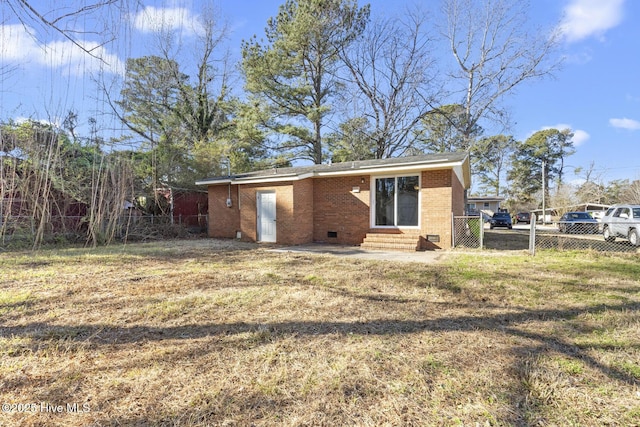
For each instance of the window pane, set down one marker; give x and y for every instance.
(385, 190)
(408, 187)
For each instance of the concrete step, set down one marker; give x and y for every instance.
(391, 241)
(391, 238)
(382, 246)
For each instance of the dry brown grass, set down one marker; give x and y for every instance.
(216, 333)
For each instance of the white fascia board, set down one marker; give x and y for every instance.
(392, 169)
(213, 182)
(458, 171)
(257, 179)
(272, 178)
(388, 169)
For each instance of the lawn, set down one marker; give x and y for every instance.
(208, 332)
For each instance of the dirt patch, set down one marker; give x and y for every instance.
(506, 240)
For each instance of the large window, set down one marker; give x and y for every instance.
(396, 201)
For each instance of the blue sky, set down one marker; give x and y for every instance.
(596, 93)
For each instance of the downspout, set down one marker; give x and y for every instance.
(229, 185)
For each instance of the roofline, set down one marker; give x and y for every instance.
(255, 179)
(496, 198)
(604, 207)
(432, 164)
(383, 169)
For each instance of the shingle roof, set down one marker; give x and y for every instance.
(450, 160)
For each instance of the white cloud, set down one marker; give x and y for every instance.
(152, 19)
(68, 57)
(579, 136)
(587, 18)
(17, 44)
(19, 47)
(625, 123)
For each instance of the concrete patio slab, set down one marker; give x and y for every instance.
(357, 252)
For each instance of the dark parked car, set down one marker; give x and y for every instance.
(578, 222)
(523, 217)
(500, 219)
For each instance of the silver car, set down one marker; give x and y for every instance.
(622, 221)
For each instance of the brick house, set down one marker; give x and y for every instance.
(397, 203)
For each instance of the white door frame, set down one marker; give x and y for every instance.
(266, 216)
(372, 203)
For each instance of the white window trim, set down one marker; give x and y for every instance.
(372, 203)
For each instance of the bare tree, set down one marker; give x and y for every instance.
(112, 186)
(204, 105)
(494, 50)
(48, 182)
(179, 102)
(593, 189)
(61, 17)
(392, 70)
(632, 193)
(563, 197)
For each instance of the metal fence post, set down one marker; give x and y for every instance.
(532, 235)
(453, 230)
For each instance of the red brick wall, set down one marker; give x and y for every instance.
(437, 206)
(337, 208)
(309, 209)
(300, 228)
(248, 208)
(223, 221)
(294, 207)
(248, 214)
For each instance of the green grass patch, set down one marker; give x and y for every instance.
(12, 301)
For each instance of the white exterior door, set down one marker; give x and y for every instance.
(266, 207)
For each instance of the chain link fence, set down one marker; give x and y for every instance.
(468, 232)
(21, 230)
(585, 234)
(570, 234)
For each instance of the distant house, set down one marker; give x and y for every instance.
(397, 203)
(486, 205)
